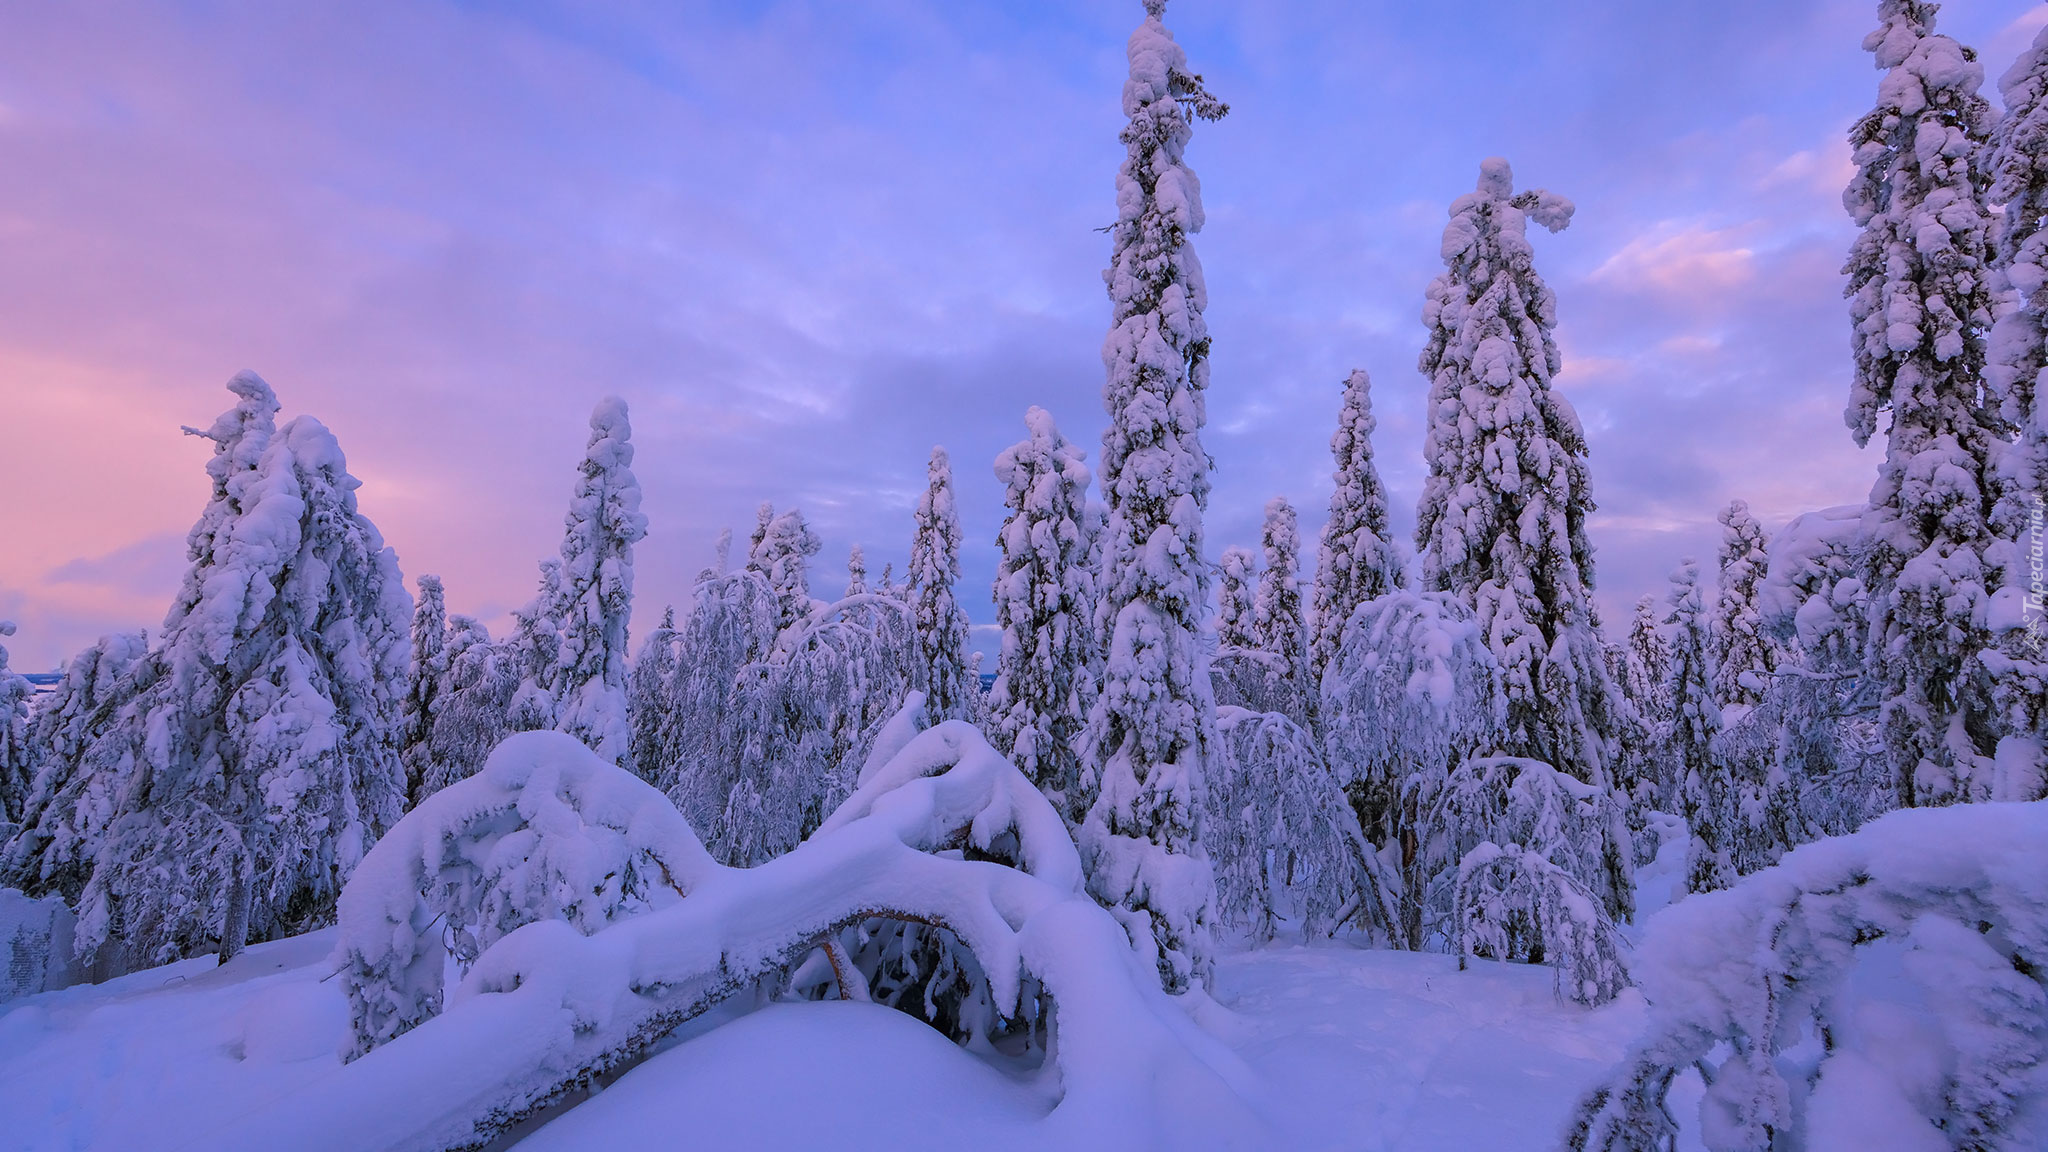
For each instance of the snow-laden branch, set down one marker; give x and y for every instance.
(547, 1008)
(1942, 913)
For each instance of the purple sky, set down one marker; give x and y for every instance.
(808, 241)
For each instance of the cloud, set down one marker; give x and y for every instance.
(1687, 261)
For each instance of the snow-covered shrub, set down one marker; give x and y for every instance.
(1514, 803)
(1281, 833)
(545, 831)
(1894, 977)
(1514, 904)
(547, 1008)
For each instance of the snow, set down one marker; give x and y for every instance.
(1346, 1048)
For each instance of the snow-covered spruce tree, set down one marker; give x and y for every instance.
(1045, 599)
(647, 696)
(426, 680)
(1153, 728)
(1704, 788)
(731, 625)
(1920, 301)
(1236, 575)
(2017, 355)
(781, 552)
(1743, 655)
(15, 769)
(470, 712)
(535, 650)
(264, 736)
(941, 626)
(74, 774)
(603, 524)
(1358, 559)
(856, 572)
(1502, 522)
(1277, 619)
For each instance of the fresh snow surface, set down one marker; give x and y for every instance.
(1356, 1049)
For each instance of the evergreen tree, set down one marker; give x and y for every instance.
(263, 739)
(603, 524)
(941, 625)
(1277, 620)
(15, 768)
(856, 572)
(1153, 728)
(1648, 666)
(75, 773)
(1743, 655)
(1358, 559)
(1236, 579)
(1695, 721)
(781, 551)
(426, 681)
(471, 713)
(535, 652)
(1920, 301)
(650, 704)
(2017, 355)
(1044, 595)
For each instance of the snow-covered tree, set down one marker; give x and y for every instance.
(1503, 515)
(1920, 300)
(1704, 787)
(1277, 620)
(648, 699)
(856, 572)
(264, 736)
(15, 768)
(1743, 656)
(1647, 665)
(1358, 559)
(781, 552)
(1153, 728)
(1236, 577)
(427, 679)
(603, 524)
(2017, 356)
(471, 710)
(941, 625)
(535, 650)
(75, 773)
(1513, 903)
(1045, 600)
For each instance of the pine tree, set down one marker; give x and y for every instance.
(75, 773)
(1695, 722)
(603, 524)
(1648, 666)
(15, 768)
(1236, 578)
(1153, 729)
(1743, 655)
(1045, 597)
(1358, 559)
(1920, 301)
(473, 709)
(427, 680)
(649, 700)
(2017, 355)
(856, 572)
(781, 551)
(1277, 620)
(535, 652)
(941, 625)
(263, 738)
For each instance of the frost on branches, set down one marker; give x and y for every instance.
(1358, 559)
(2018, 354)
(1153, 728)
(1503, 515)
(603, 524)
(74, 774)
(1887, 982)
(1514, 904)
(1743, 656)
(1920, 302)
(941, 627)
(263, 737)
(1045, 598)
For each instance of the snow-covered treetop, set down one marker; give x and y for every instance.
(934, 570)
(603, 524)
(1357, 560)
(1743, 654)
(1236, 575)
(781, 551)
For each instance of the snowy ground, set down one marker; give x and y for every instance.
(1357, 1049)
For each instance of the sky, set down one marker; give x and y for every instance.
(808, 241)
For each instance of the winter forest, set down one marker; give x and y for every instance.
(1338, 838)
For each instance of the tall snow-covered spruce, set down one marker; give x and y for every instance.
(425, 684)
(1045, 599)
(1277, 618)
(603, 524)
(1357, 559)
(941, 626)
(1743, 655)
(1153, 728)
(1703, 786)
(1920, 301)
(14, 758)
(263, 741)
